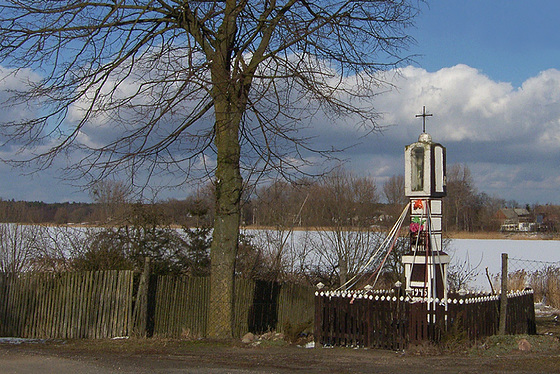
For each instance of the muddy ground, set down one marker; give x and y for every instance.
(170, 356)
(273, 360)
(493, 355)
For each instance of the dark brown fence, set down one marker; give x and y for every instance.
(344, 320)
(384, 320)
(108, 304)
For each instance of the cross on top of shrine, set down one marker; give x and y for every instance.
(424, 115)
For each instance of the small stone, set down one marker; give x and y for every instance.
(248, 338)
(524, 345)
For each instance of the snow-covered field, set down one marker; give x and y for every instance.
(488, 253)
(477, 253)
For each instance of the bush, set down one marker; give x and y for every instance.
(144, 235)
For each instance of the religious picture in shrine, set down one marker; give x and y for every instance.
(417, 169)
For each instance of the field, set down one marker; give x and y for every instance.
(524, 255)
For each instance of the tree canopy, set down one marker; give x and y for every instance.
(138, 83)
(170, 87)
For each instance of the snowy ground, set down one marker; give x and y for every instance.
(477, 253)
(488, 253)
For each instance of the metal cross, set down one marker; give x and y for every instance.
(424, 115)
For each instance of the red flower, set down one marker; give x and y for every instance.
(416, 227)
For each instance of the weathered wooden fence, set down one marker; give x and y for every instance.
(176, 312)
(182, 305)
(107, 304)
(384, 320)
(66, 305)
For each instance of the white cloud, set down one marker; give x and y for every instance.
(12, 81)
(509, 137)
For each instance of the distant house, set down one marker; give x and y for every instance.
(547, 217)
(515, 219)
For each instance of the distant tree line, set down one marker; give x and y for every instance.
(309, 203)
(338, 199)
(40, 212)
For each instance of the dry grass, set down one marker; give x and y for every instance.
(545, 284)
(505, 344)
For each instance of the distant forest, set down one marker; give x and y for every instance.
(339, 198)
(177, 212)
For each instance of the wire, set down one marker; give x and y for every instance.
(390, 238)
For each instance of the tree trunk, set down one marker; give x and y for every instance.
(226, 223)
(230, 98)
(342, 267)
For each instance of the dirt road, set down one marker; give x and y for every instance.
(172, 357)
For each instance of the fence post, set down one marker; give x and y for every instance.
(503, 295)
(140, 314)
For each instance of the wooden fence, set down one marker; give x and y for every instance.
(176, 314)
(181, 306)
(66, 305)
(384, 320)
(107, 304)
(344, 320)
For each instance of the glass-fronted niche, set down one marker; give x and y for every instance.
(417, 169)
(425, 170)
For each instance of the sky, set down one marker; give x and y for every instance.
(488, 71)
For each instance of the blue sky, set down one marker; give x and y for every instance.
(489, 71)
(508, 40)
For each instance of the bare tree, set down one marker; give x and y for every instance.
(111, 197)
(275, 204)
(349, 241)
(393, 191)
(167, 86)
(17, 247)
(280, 206)
(462, 273)
(461, 198)
(56, 246)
